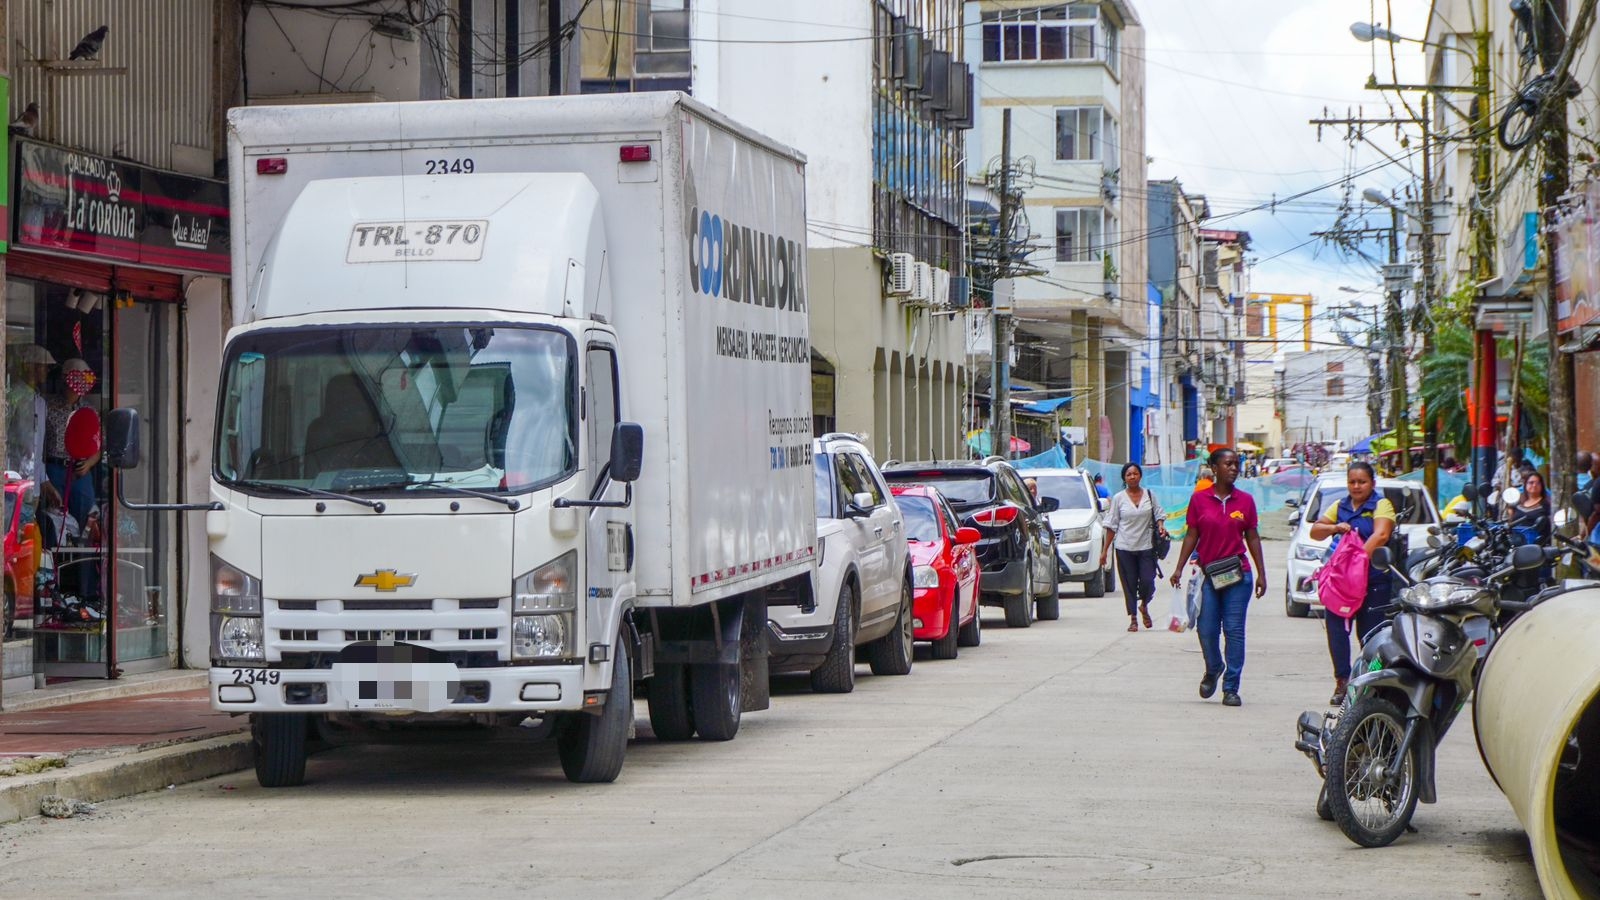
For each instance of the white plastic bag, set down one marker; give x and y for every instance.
(1186, 604)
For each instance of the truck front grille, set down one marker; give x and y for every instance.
(407, 634)
(478, 634)
(463, 659)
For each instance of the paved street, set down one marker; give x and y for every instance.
(1069, 760)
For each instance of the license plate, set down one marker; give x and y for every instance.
(424, 687)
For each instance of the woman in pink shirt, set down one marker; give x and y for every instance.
(1222, 526)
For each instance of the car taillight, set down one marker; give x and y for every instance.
(994, 518)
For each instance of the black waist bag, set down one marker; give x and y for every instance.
(1225, 573)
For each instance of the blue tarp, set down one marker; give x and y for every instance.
(1365, 444)
(1045, 407)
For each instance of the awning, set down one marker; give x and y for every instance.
(1045, 407)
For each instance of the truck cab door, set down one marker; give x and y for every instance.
(610, 538)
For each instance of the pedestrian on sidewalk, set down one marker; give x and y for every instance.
(1131, 524)
(1370, 516)
(1222, 524)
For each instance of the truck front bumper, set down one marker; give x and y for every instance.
(391, 687)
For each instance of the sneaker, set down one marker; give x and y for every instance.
(1339, 685)
(1231, 698)
(1208, 685)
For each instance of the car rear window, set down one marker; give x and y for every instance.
(1070, 491)
(960, 488)
(922, 521)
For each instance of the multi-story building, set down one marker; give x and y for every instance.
(1324, 396)
(1506, 265)
(1072, 75)
(877, 96)
(1174, 219)
(116, 293)
(1273, 324)
(1224, 283)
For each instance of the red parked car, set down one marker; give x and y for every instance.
(944, 571)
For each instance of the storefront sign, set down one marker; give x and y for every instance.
(84, 204)
(1576, 233)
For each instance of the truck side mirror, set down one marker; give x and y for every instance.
(122, 438)
(627, 452)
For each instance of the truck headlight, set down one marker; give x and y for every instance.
(238, 638)
(234, 591)
(543, 604)
(924, 577)
(541, 637)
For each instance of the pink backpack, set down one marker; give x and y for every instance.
(1342, 580)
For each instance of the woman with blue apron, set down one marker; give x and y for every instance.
(1371, 518)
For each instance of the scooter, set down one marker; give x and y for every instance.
(1376, 755)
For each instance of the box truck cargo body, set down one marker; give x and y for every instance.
(516, 414)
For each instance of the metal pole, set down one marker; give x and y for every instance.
(1395, 334)
(464, 49)
(1430, 450)
(1000, 400)
(513, 48)
(1552, 187)
(553, 20)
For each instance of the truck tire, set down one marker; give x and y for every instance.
(946, 647)
(715, 695)
(668, 695)
(278, 743)
(1019, 608)
(972, 632)
(891, 654)
(837, 674)
(592, 747)
(1050, 608)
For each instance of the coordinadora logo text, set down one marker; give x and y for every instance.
(745, 265)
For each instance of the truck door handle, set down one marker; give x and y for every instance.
(878, 532)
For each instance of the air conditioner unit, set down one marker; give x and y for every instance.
(960, 292)
(921, 282)
(940, 296)
(901, 271)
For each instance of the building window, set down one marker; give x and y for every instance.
(1078, 234)
(1075, 31)
(1079, 133)
(1255, 320)
(1336, 387)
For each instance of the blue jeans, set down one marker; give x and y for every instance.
(1222, 612)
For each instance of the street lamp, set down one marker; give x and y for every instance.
(1367, 32)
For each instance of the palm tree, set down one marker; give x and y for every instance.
(1447, 375)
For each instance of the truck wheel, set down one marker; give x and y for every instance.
(946, 647)
(668, 695)
(1050, 608)
(891, 654)
(591, 746)
(972, 632)
(837, 674)
(1019, 608)
(715, 698)
(278, 743)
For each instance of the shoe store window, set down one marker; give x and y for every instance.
(86, 581)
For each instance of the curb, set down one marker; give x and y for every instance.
(125, 775)
(181, 680)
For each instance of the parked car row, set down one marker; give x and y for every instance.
(909, 553)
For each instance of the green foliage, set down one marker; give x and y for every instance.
(1447, 373)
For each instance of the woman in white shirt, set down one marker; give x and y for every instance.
(1131, 525)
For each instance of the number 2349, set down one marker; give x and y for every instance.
(459, 166)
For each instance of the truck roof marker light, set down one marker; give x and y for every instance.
(272, 165)
(635, 153)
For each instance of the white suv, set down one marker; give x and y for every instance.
(862, 580)
(1080, 535)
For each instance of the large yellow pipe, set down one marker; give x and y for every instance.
(1540, 687)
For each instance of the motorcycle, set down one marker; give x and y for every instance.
(1376, 754)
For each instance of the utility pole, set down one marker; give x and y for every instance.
(1552, 187)
(1000, 380)
(1430, 438)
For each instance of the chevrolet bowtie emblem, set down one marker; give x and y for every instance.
(385, 580)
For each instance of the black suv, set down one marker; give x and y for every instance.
(1018, 549)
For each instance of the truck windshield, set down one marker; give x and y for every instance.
(402, 407)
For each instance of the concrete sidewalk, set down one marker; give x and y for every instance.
(103, 749)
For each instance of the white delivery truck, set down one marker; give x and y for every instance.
(516, 415)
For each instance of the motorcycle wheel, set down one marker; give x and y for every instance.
(1371, 794)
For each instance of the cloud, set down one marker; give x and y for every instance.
(1229, 95)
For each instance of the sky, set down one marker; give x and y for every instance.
(1231, 85)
